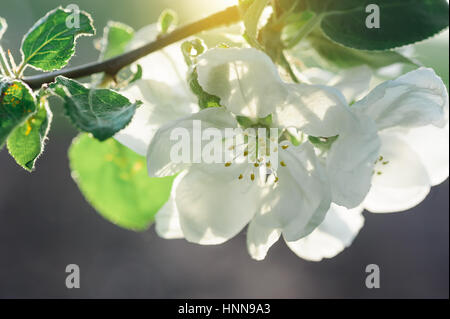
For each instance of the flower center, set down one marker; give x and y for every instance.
(380, 163)
(260, 151)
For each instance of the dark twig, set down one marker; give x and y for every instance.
(114, 65)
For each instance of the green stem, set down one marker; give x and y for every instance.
(305, 30)
(4, 66)
(287, 66)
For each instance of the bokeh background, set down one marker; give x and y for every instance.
(45, 223)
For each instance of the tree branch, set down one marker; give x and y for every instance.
(114, 65)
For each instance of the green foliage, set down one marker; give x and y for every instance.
(192, 49)
(402, 22)
(205, 99)
(252, 15)
(345, 57)
(167, 21)
(293, 24)
(17, 104)
(3, 27)
(116, 37)
(102, 112)
(322, 143)
(26, 142)
(50, 43)
(114, 180)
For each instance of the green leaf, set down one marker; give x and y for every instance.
(101, 112)
(402, 22)
(114, 180)
(192, 49)
(26, 142)
(137, 75)
(167, 21)
(294, 23)
(17, 103)
(252, 16)
(345, 57)
(116, 37)
(205, 99)
(323, 143)
(3, 27)
(50, 43)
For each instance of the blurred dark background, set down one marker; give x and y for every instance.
(45, 224)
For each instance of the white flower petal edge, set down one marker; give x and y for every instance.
(215, 206)
(260, 238)
(161, 105)
(167, 220)
(411, 114)
(248, 84)
(335, 234)
(165, 141)
(163, 90)
(166, 66)
(298, 202)
(350, 162)
(246, 80)
(415, 99)
(400, 180)
(354, 83)
(316, 110)
(431, 144)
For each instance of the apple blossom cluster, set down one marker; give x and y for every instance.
(344, 145)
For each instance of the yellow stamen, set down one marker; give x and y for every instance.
(283, 164)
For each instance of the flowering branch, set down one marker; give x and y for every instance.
(114, 65)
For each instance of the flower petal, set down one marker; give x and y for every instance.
(167, 220)
(350, 162)
(214, 205)
(163, 90)
(415, 99)
(246, 80)
(185, 132)
(353, 83)
(162, 104)
(431, 144)
(400, 180)
(260, 238)
(301, 197)
(336, 233)
(315, 109)
(166, 65)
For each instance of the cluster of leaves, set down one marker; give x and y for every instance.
(337, 30)
(25, 117)
(113, 178)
